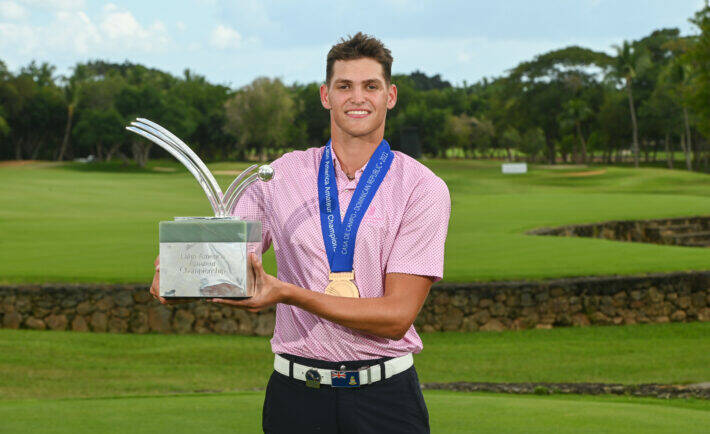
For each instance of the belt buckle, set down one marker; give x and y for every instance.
(313, 379)
(345, 378)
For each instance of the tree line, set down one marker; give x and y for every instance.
(646, 102)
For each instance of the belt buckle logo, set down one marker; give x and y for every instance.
(345, 378)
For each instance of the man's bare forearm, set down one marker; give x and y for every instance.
(382, 316)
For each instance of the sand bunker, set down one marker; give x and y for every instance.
(29, 163)
(587, 173)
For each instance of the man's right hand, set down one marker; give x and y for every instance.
(155, 288)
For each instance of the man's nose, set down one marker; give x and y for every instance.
(358, 96)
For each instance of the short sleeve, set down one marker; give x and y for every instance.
(253, 206)
(419, 244)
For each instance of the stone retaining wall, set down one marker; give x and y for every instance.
(681, 231)
(654, 390)
(616, 300)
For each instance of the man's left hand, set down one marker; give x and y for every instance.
(268, 291)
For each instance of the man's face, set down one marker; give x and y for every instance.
(358, 97)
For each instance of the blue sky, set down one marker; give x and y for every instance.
(233, 42)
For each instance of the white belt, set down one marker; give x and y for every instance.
(367, 376)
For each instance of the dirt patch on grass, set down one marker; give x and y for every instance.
(164, 169)
(561, 166)
(586, 173)
(227, 172)
(29, 163)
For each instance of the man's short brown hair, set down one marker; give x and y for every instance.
(358, 47)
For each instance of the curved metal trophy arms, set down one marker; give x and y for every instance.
(238, 192)
(216, 204)
(191, 154)
(205, 173)
(265, 173)
(222, 205)
(235, 184)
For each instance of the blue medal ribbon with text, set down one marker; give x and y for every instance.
(339, 237)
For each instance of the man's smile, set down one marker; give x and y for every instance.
(357, 113)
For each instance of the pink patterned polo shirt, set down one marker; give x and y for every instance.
(403, 231)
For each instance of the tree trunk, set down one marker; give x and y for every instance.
(99, 152)
(35, 151)
(18, 150)
(645, 150)
(67, 130)
(633, 122)
(669, 154)
(582, 141)
(655, 151)
(686, 152)
(111, 151)
(551, 154)
(688, 142)
(141, 151)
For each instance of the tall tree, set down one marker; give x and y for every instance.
(574, 113)
(260, 115)
(629, 61)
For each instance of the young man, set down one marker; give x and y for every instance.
(358, 231)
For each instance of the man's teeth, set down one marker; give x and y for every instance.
(357, 112)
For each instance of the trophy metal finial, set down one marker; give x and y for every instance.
(266, 172)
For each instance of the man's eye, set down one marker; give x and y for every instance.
(343, 86)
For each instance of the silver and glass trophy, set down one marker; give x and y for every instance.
(206, 256)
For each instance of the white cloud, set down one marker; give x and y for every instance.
(118, 25)
(224, 38)
(69, 31)
(116, 32)
(123, 31)
(180, 26)
(74, 30)
(12, 11)
(62, 5)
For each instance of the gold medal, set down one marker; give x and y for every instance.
(342, 285)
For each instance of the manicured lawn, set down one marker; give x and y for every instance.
(449, 412)
(69, 364)
(99, 223)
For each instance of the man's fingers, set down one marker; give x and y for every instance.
(242, 304)
(155, 286)
(257, 266)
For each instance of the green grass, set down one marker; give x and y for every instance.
(69, 382)
(98, 223)
(69, 364)
(450, 412)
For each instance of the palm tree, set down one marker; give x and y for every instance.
(629, 61)
(679, 75)
(72, 90)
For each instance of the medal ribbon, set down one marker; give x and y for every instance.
(339, 237)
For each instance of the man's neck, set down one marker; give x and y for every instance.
(354, 152)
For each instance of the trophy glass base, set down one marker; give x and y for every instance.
(207, 257)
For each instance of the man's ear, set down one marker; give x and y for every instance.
(324, 96)
(391, 97)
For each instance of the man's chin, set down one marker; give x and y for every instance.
(362, 132)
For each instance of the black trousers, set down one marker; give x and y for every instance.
(393, 405)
